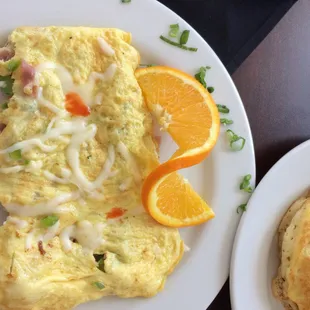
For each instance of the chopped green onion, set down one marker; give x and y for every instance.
(49, 221)
(26, 162)
(245, 184)
(16, 155)
(174, 30)
(222, 108)
(126, 1)
(13, 64)
(99, 285)
(4, 106)
(191, 49)
(98, 257)
(7, 86)
(236, 142)
(201, 75)
(210, 89)
(242, 208)
(101, 264)
(184, 37)
(226, 121)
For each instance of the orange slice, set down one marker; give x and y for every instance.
(187, 111)
(183, 107)
(172, 201)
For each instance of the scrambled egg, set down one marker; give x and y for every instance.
(79, 169)
(291, 285)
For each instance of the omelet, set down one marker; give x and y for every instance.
(76, 144)
(291, 285)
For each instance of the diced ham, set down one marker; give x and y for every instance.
(28, 74)
(6, 53)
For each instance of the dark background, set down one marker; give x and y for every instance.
(234, 28)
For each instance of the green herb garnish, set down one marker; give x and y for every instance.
(174, 30)
(226, 121)
(16, 155)
(7, 86)
(49, 221)
(26, 162)
(4, 106)
(210, 89)
(242, 208)
(222, 108)
(245, 184)
(184, 37)
(89, 157)
(13, 64)
(201, 75)
(236, 142)
(99, 285)
(126, 1)
(192, 49)
(101, 264)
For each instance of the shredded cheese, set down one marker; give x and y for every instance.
(105, 47)
(43, 208)
(88, 235)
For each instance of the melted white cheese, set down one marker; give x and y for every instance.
(89, 236)
(27, 145)
(28, 240)
(123, 150)
(14, 169)
(17, 222)
(51, 124)
(65, 173)
(65, 237)
(43, 208)
(98, 99)
(73, 158)
(126, 184)
(96, 196)
(47, 104)
(51, 232)
(105, 47)
(52, 177)
(33, 167)
(80, 133)
(84, 90)
(62, 127)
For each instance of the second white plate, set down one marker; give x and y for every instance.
(255, 258)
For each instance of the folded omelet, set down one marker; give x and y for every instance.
(75, 147)
(292, 285)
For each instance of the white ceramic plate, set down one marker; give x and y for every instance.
(204, 269)
(254, 259)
